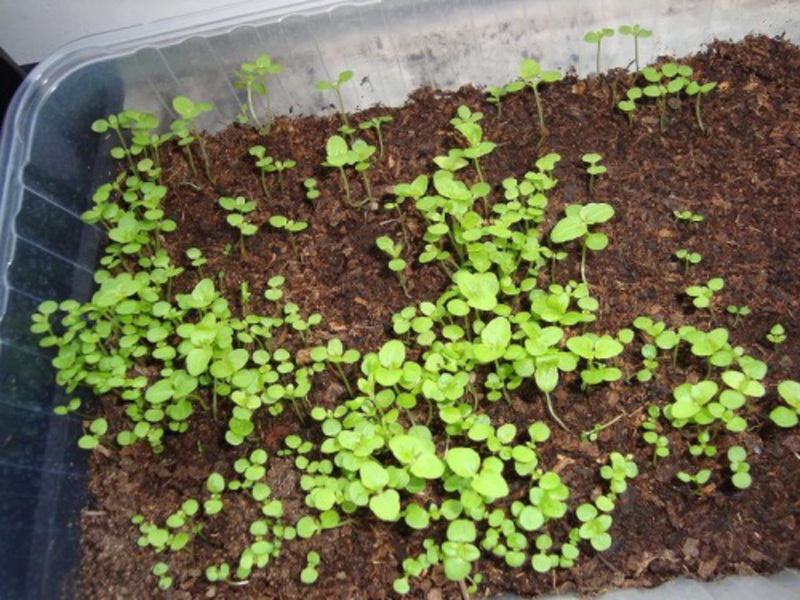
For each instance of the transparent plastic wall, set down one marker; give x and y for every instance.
(50, 163)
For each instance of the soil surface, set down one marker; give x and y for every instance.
(743, 177)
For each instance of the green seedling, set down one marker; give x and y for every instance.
(267, 164)
(703, 295)
(575, 225)
(591, 435)
(187, 130)
(699, 90)
(698, 479)
(376, 123)
(466, 122)
(335, 354)
(289, 226)
(496, 94)
(396, 264)
(310, 574)
(776, 335)
(787, 416)
(740, 468)
(738, 312)
(703, 446)
(237, 209)
(688, 258)
(403, 191)
(670, 79)
(596, 38)
(653, 435)
(593, 168)
(196, 258)
(638, 33)
(532, 75)
(628, 105)
(252, 77)
(312, 192)
(339, 155)
(687, 216)
(594, 527)
(336, 86)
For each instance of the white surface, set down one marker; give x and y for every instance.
(32, 29)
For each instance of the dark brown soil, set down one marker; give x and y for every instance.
(742, 177)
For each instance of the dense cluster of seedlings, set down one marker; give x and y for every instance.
(412, 416)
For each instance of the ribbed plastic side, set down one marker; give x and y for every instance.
(50, 163)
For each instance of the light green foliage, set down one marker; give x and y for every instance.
(376, 123)
(268, 164)
(340, 155)
(703, 295)
(596, 38)
(291, 227)
(252, 77)
(397, 264)
(787, 416)
(699, 479)
(238, 208)
(309, 574)
(533, 76)
(688, 258)
(593, 167)
(310, 184)
(187, 131)
(699, 90)
(496, 94)
(738, 312)
(688, 216)
(637, 33)
(776, 335)
(575, 225)
(653, 434)
(336, 86)
(740, 468)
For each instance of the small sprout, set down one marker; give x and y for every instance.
(575, 225)
(496, 94)
(187, 130)
(738, 312)
(195, 255)
(397, 264)
(531, 73)
(237, 208)
(309, 574)
(737, 457)
(291, 227)
(376, 123)
(688, 258)
(699, 479)
(312, 193)
(637, 32)
(267, 164)
(787, 416)
(594, 168)
(688, 216)
(652, 434)
(628, 105)
(703, 295)
(698, 90)
(336, 86)
(703, 447)
(252, 77)
(596, 38)
(777, 334)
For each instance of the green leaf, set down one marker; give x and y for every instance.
(490, 484)
(386, 505)
(428, 466)
(464, 462)
(373, 475)
(568, 229)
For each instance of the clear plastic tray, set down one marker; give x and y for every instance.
(50, 163)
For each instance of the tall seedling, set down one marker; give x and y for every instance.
(336, 86)
(531, 73)
(187, 130)
(252, 77)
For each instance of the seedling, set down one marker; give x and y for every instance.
(237, 208)
(737, 457)
(466, 122)
(396, 264)
(703, 446)
(638, 33)
(335, 354)
(195, 255)
(252, 77)
(291, 227)
(267, 164)
(309, 574)
(653, 435)
(596, 38)
(312, 192)
(340, 155)
(496, 94)
(738, 312)
(688, 258)
(376, 123)
(703, 295)
(575, 225)
(336, 86)
(593, 168)
(776, 335)
(416, 190)
(698, 91)
(590, 435)
(669, 79)
(187, 130)
(699, 479)
(531, 73)
(628, 105)
(787, 416)
(687, 216)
